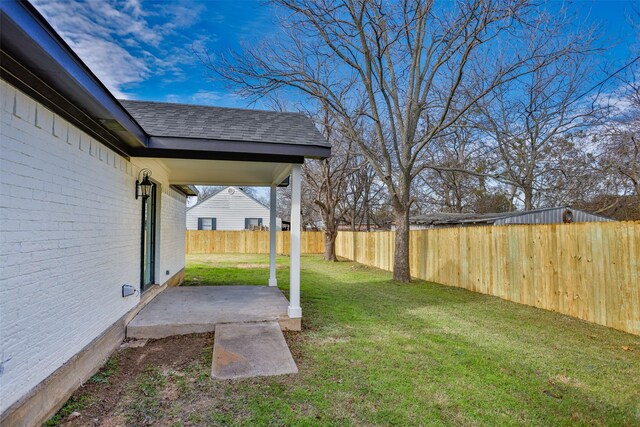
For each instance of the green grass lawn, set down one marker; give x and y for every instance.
(374, 352)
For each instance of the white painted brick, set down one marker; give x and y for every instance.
(44, 118)
(73, 136)
(93, 147)
(23, 107)
(85, 142)
(60, 127)
(7, 94)
(69, 241)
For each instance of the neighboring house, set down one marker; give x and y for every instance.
(557, 215)
(93, 206)
(230, 209)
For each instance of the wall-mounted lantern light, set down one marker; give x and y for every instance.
(143, 184)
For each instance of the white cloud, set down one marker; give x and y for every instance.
(207, 97)
(113, 65)
(122, 41)
(211, 97)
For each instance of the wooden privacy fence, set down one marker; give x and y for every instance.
(249, 242)
(586, 270)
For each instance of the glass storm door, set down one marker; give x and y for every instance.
(148, 240)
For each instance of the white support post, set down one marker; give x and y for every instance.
(272, 238)
(295, 311)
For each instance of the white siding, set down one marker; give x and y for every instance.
(70, 238)
(230, 211)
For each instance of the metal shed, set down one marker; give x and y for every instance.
(550, 216)
(556, 215)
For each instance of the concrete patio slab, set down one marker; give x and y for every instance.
(245, 350)
(197, 309)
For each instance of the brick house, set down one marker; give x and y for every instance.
(93, 206)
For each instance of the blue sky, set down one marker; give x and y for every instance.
(144, 49)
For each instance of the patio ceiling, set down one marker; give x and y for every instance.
(225, 172)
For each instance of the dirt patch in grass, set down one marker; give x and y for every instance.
(132, 375)
(245, 266)
(172, 352)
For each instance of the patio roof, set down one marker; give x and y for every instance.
(206, 132)
(165, 120)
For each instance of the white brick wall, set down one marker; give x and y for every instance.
(69, 240)
(172, 233)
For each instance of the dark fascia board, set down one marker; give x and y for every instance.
(21, 78)
(194, 191)
(239, 147)
(187, 190)
(29, 38)
(214, 155)
(284, 183)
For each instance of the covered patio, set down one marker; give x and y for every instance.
(199, 145)
(198, 309)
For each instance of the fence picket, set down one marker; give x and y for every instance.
(586, 270)
(249, 242)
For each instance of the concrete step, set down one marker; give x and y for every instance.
(245, 350)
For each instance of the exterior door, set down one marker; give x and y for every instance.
(148, 256)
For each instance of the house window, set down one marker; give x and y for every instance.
(206, 223)
(252, 223)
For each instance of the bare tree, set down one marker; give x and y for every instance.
(446, 185)
(204, 191)
(328, 180)
(619, 151)
(309, 217)
(617, 156)
(364, 194)
(527, 119)
(398, 67)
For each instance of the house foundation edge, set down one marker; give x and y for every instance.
(44, 400)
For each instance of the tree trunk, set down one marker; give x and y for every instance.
(401, 272)
(528, 197)
(330, 244)
(368, 218)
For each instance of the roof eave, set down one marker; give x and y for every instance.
(28, 38)
(187, 190)
(198, 148)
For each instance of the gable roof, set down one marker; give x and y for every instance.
(226, 133)
(225, 188)
(232, 124)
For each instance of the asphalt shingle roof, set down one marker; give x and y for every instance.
(230, 124)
